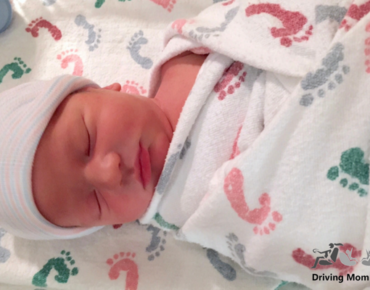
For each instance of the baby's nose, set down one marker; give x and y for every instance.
(105, 172)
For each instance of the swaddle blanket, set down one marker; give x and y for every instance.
(269, 164)
(105, 41)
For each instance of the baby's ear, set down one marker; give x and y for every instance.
(113, 87)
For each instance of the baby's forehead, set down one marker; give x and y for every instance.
(80, 101)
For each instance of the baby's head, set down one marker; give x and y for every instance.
(74, 156)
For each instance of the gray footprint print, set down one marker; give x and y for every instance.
(185, 148)
(237, 251)
(332, 12)
(206, 32)
(48, 2)
(157, 242)
(135, 44)
(225, 269)
(328, 77)
(93, 37)
(170, 165)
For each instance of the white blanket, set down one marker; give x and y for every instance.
(269, 164)
(107, 41)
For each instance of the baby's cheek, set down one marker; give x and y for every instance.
(90, 211)
(130, 206)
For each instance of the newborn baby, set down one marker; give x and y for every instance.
(102, 153)
(86, 156)
(259, 151)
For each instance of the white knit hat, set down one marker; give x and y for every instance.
(24, 114)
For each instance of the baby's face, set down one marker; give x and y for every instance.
(100, 158)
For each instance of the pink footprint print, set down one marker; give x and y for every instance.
(236, 150)
(166, 4)
(228, 2)
(223, 87)
(34, 26)
(123, 262)
(354, 14)
(307, 260)
(367, 49)
(233, 188)
(293, 22)
(178, 25)
(70, 56)
(133, 88)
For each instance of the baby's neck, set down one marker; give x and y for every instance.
(177, 79)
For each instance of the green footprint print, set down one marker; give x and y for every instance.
(159, 219)
(59, 264)
(352, 163)
(99, 3)
(18, 67)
